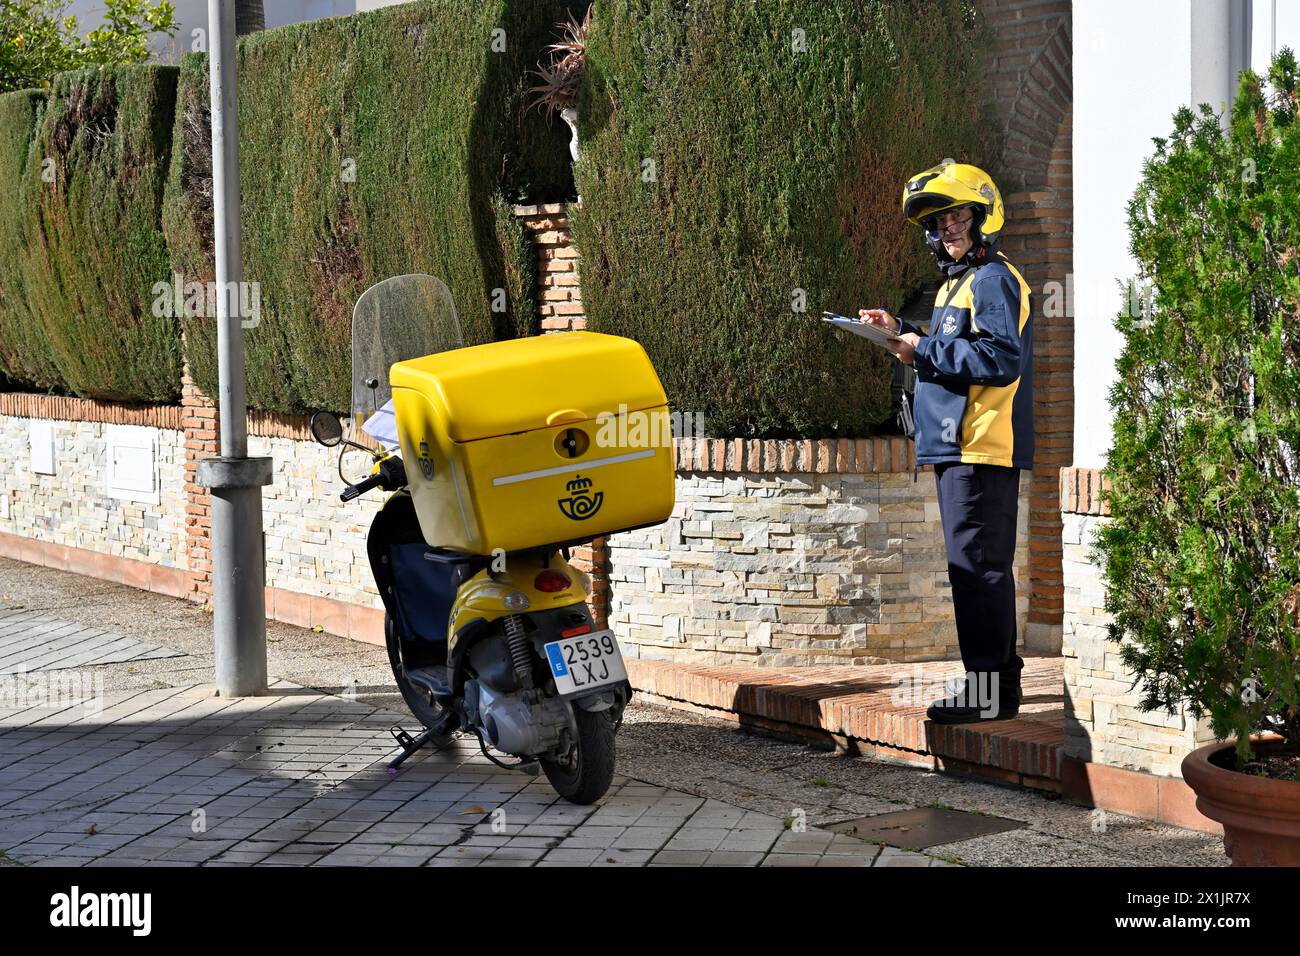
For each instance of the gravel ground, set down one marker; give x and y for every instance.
(685, 751)
(712, 758)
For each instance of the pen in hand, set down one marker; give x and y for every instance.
(879, 316)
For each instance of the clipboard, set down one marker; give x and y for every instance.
(872, 333)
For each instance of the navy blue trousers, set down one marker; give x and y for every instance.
(977, 504)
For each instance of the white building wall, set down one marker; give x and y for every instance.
(1132, 71)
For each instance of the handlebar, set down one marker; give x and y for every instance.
(361, 487)
(391, 475)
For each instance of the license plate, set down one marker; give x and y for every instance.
(585, 662)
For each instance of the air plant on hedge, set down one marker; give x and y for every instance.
(562, 77)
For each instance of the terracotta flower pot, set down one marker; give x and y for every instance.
(1260, 815)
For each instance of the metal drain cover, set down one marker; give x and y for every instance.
(923, 827)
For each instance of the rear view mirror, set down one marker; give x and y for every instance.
(326, 429)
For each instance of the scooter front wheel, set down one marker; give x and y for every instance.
(589, 770)
(426, 711)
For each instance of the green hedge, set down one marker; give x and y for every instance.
(412, 99)
(91, 248)
(25, 356)
(775, 170)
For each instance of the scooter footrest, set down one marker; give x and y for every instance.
(433, 681)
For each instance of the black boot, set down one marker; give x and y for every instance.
(981, 696)
(1010, 694)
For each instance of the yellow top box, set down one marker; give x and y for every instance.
(523, 384)
(532, 442)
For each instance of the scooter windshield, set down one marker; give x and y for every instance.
(401, 318)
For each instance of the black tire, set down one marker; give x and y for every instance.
(424, 710)
(587, 776)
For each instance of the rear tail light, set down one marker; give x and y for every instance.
(551, 580)
(575, 631)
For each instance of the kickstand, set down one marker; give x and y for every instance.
(408, 744)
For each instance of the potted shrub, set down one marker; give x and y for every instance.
(561, 79)
(1203, 549)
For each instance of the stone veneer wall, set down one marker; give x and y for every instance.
(71, 509)
(1102, 721)
(315, 544)
(789, 553)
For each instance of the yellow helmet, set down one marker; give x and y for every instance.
(952, 185)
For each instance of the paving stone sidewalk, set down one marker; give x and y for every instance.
(179, 777)
(159, 772)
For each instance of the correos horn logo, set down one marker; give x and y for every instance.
(582, 503)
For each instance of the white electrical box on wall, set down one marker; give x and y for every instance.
(41, 442)
(130, 463)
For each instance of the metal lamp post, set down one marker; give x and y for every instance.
(235, 480)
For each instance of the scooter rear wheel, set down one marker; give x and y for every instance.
(586, 776)
(424, 710)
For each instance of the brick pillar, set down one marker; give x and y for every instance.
(559, 297)
(199, 422)
(593, 558)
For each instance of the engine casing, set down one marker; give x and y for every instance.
(523, 723)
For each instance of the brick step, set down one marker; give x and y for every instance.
(857, 705)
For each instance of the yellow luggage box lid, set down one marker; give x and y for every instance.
(524, 384)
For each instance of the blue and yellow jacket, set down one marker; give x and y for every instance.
(974, 390)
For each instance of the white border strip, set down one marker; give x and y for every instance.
(568, 469)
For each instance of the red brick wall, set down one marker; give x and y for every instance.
(62, 408)
(1028, 86)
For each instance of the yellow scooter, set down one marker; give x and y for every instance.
(498, 458)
